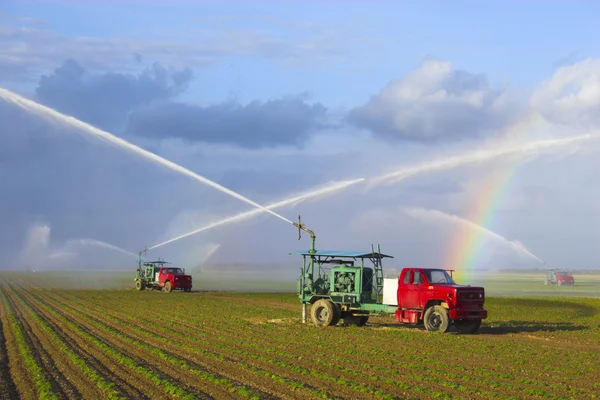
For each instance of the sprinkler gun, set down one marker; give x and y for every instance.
(140, 257)
(301, 228)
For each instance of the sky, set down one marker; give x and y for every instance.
(272, 99)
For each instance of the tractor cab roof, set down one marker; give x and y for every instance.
(343, 254)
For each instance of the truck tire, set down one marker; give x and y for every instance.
(323, 313)
(467, 325)
(168, 287)
(436, 319)
(139, 285)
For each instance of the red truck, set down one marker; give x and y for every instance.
(431, 297)
(154, 275)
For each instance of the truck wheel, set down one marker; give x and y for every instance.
(436, 319)
(467, 325)
(168, 287)
(139, 285)
(323, 313)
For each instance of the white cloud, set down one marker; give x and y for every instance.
(572, 95)
(435, 102)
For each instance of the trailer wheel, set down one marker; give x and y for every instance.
(436, 319)
(467, 325)
(323, 313)
(168, 287)
(139, 285)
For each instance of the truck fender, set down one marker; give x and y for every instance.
(431, 303)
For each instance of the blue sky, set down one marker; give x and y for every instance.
(378, 41)
(272, 99)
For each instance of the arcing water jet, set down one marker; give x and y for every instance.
(403, 173)
(49, 113)
(478, 156)
(99, 243)
(248, 214)
(422, 213)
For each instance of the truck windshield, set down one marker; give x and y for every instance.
(438, 276)
(174, 271)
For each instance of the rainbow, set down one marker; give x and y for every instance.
(463, 253)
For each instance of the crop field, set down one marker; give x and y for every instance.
(60, 342)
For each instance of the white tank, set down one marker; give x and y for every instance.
(390, 291)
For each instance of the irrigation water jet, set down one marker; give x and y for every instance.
(99, 243)
(422, 213)
(477, 156)
(403, 173)
(47, 112)
(248, 214)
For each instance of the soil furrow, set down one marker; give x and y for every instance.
(18, 378)
(260, 362)
(49, 357)
(149, 361)
(254, 343)
(226, 368)
(107, 368)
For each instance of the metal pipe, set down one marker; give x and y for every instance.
(301, 226)
(303, 313)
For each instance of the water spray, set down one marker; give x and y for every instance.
(478, 156)
(49, 113)
(403, 173)
(440, 215)
(99, 243)
(248, 214)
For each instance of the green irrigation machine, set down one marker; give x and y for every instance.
(339, 285)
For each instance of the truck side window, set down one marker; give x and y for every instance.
(407, 277)
(418, 278)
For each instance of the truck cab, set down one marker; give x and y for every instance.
(432, 297)
(155, 275)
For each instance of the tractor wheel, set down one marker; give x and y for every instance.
(358, 320)
(436, 319)
(467, 325)
(139, 285)
(323, 313)
(338, 314)
(168, 287)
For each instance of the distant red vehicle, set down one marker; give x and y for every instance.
(155, 275)
(432, 296)
(559, 278)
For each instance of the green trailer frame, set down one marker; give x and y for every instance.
(361, 296)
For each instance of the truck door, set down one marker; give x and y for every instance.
(161, 276)
(411, 293)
